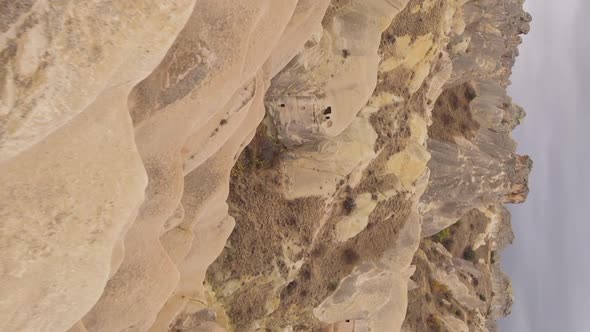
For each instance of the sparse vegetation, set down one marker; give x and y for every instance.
(469, 254)
(348, 205)
(350, 256)
(448, 243)
(451, 115)
(443, 235)
(238, 169)
(332, 285)
(438, 288)
(244, 305)
(318, 251)
(291, 287)
(259, 163)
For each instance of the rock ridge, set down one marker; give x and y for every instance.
(219, 165)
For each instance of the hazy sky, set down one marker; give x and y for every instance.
(549, 263)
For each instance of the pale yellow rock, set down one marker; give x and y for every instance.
(174, 219)
(384, 99)
(338, 74)
(227, 60)
(427, 5)
(351, 225)
(317, 170)
(376, 292)
(70, 52)
(72, 123)
(442, 73)
(409, 164)
(304, 23)
(95, 95)
(209, 233)
(461, 47)
(207, 225)
(407, 52)
(57, 252)
(418, 128)
(458, 23)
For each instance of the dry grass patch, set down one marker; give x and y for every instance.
(451, 115)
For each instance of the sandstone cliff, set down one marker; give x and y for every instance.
(260, 165)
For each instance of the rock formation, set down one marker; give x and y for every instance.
(260, 165)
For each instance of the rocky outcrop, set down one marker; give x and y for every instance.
(290, 165)
(459, 282)
(473, 156)
(481, 179)
(212, 64)
(474, 170)
(71, 177)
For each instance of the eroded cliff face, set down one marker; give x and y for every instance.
(293, 165)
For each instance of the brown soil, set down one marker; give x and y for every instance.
(464, 232)
(451, 115)
(264, 220)
(414, 24)
(391, 124)
(329, 262)
(383, 121)
(247, 304)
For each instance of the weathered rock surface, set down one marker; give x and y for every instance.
(222, 165)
